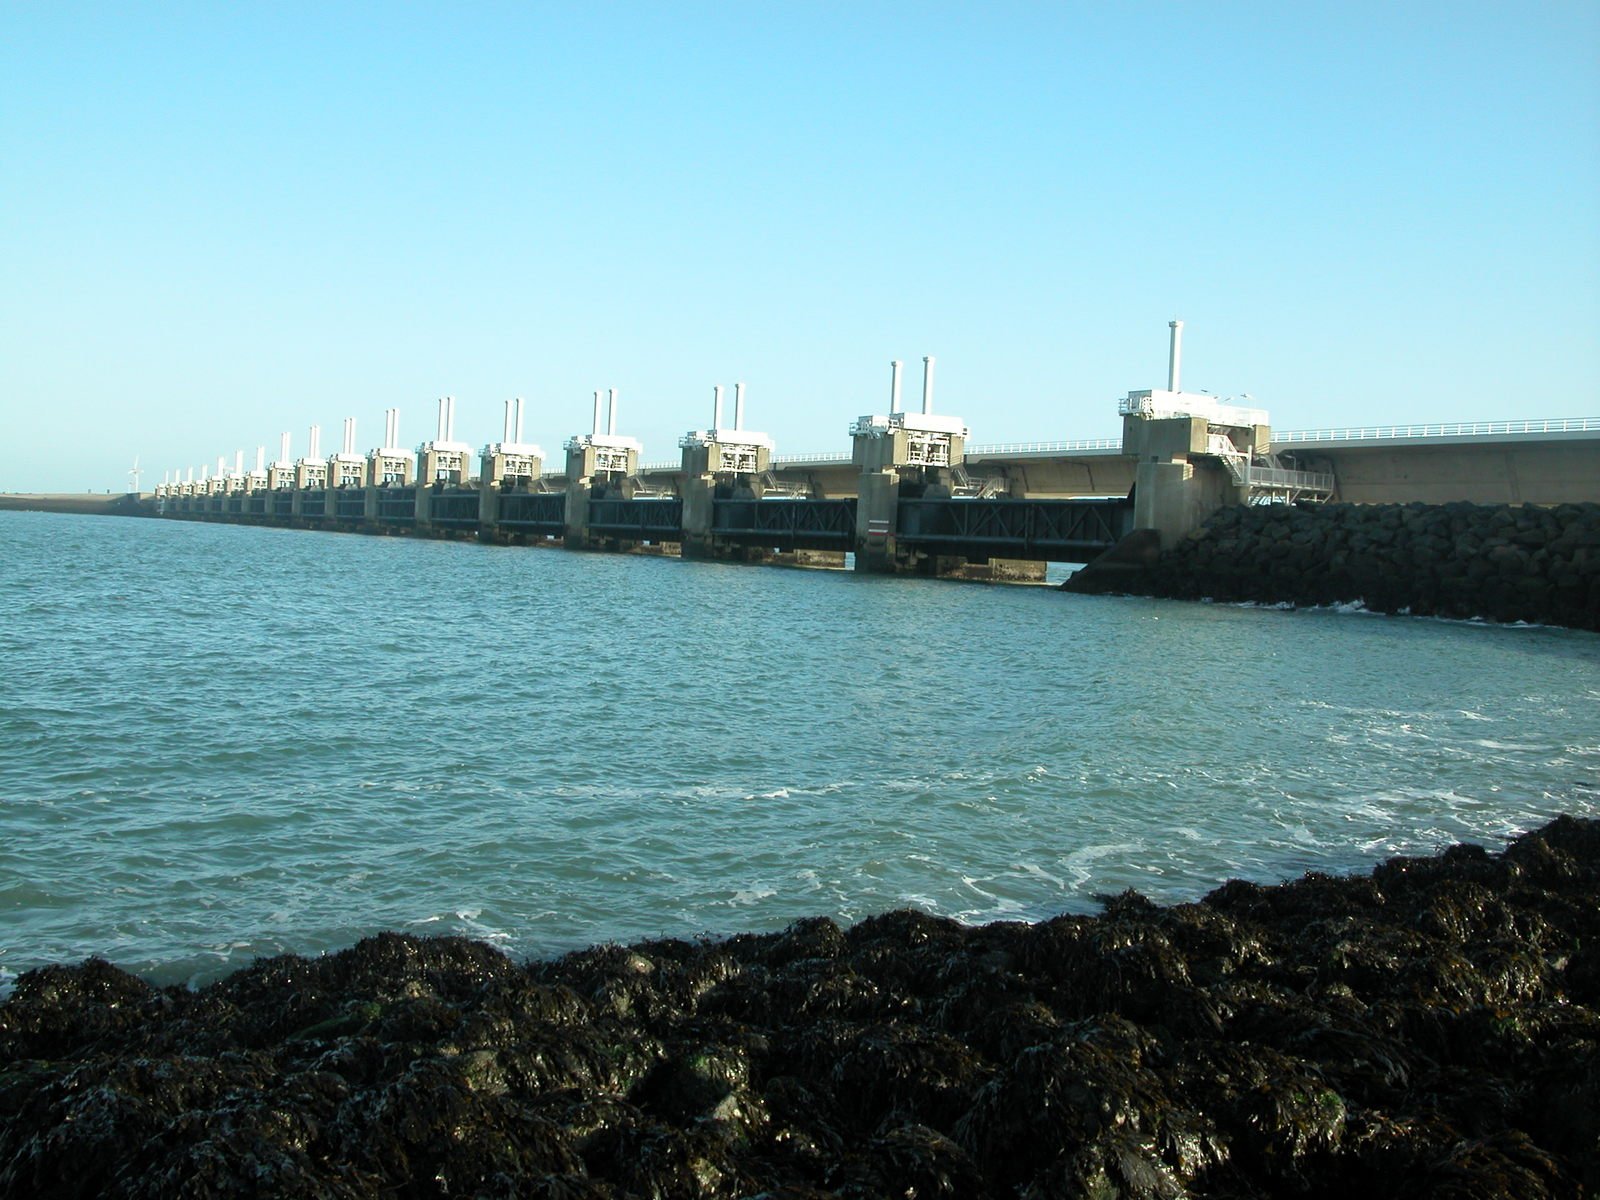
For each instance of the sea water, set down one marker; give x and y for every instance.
(220, 742)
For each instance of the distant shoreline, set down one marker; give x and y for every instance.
(116, 504)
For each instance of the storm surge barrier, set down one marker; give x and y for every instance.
(804, 530)
(910, 497)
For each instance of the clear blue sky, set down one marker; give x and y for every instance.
(218, 222)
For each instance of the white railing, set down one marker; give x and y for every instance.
(990, 450)
(777, 460)
(1279, 437)
(1280, 477)
(996, 449)
(831, 456)
(1445, 429)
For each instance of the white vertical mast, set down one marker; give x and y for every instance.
(1175, 356)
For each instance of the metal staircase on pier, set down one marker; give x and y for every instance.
(964, 487)
(773, 488)
(649, 491)
(1267, 480)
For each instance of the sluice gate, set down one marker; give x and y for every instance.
(454, 507)
(650, 519)
(397, 506)
(1039, 530)
(350, 504)
(786, 524)
(542, 514)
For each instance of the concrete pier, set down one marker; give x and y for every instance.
(901, 455)
(722, 464)
(507, 466)
(390, 491)
(600, 467)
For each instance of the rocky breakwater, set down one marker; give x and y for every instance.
(1506, 563)
(1430, 1029)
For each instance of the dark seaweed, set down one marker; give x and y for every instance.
(1430, 1029)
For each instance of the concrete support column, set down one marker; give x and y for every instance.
(506, 466)
(605, 462)
(580, 470)
(1178, 482)
(488, 503)
(713, 469)
(576, 535)
(1175, 498)
(700, 491)
(699, 507)
(877, 501)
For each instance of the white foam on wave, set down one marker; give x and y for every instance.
(1258, 605)
(1035, 871)
(1089, 854)
(1080, 864)
(830, 789)
(495, 936)
(466, 923)
(972, 885)
(1491, 744)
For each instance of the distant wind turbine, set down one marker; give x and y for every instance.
(134, 473)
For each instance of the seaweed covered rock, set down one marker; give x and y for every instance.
(1500, 562)
(1430, 1028)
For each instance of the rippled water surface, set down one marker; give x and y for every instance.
(218, 742)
